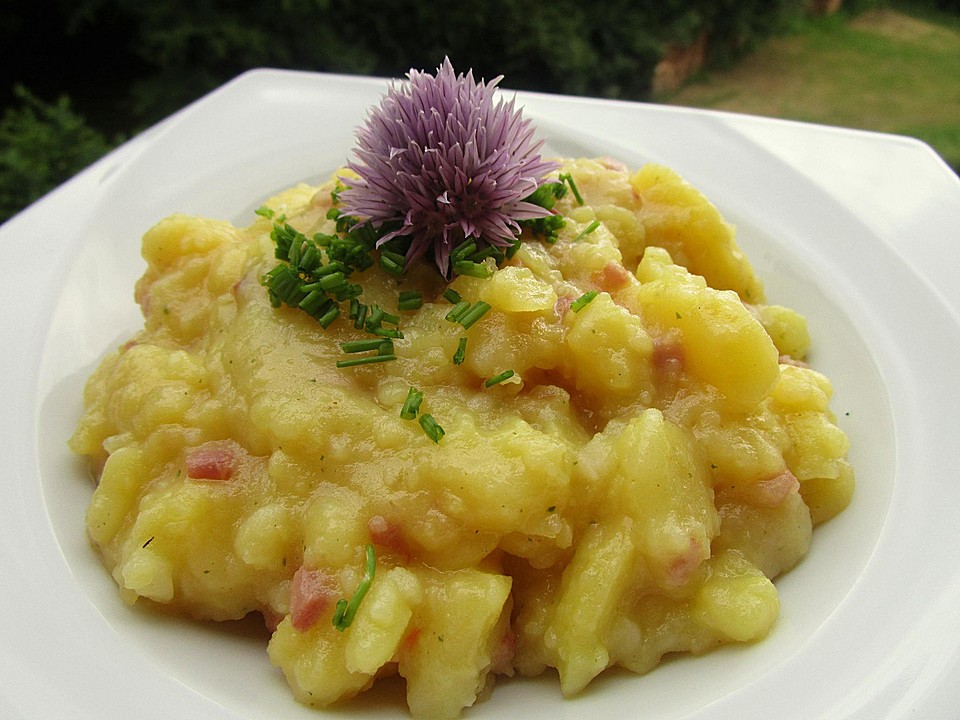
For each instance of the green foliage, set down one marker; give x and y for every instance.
(606, 49)
(172, 51)
(889, 72)
(736, 26)
(41, 145)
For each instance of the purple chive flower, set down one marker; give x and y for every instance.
(442, 162)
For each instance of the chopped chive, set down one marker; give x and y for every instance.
(497, 379)
(365, 360)
(410, 300)
(331, 268)
(311, 260)
(568, 178)
(470, 268)
(587, 230)
(386, 332)
(355, 346)
(451, 296)
(581, 302)
(345, 611)
(411, 406)
(475, 313)
(313, 301)
(489, 251)
(361, 320)
(329, 316)
(431, 427)
(386, 347)
(375, 317)
(463, 250)
(457, 311)
(264, 211)
(461, 352)
(390, 318)
(332, 281)
(392, 262)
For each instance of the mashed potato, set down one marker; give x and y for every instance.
(659, 454)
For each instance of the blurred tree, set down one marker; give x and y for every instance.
(129, 63)
(42, 144)
(607, 48)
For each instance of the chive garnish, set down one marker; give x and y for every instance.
(410, 300)
(473, 269)
(497, 379)
(457, 311)
(365, 360)
(390, 318)
(547, 228)
(568, 178)
(361, 319)
(451, 296)
(475, 313)
(392, 262)
(459, 355)
(463, 251)
(356, 346)
(587, 230)
(581, 302)
(411, 405)
(346, 610)
(329, 316)
(375, 317)
(431, 427)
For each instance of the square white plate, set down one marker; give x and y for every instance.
(858, 231)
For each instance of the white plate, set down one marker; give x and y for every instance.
(858, 231)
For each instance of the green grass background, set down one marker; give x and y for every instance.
(887, 70)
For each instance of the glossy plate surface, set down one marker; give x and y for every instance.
(858, 231)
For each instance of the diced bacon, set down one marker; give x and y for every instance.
(311, 593)
(684, 565)
(668, 354)
(271, 619)
(214, 460)
(411, 638)
(773, 491)
(787, 360)
(388, 535)
(562, 306)
(612, 164)
(613, 277)
(503, 654)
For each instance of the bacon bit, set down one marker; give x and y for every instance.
(612, 164)
(214, 460)
(787, 360)
(685, 564)
(388, 535)
(562, 306)
(613, 277)
(506, 650)
(411, 638)
(773, 491)
(668, 354)
(311, 593)
(271, 619)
